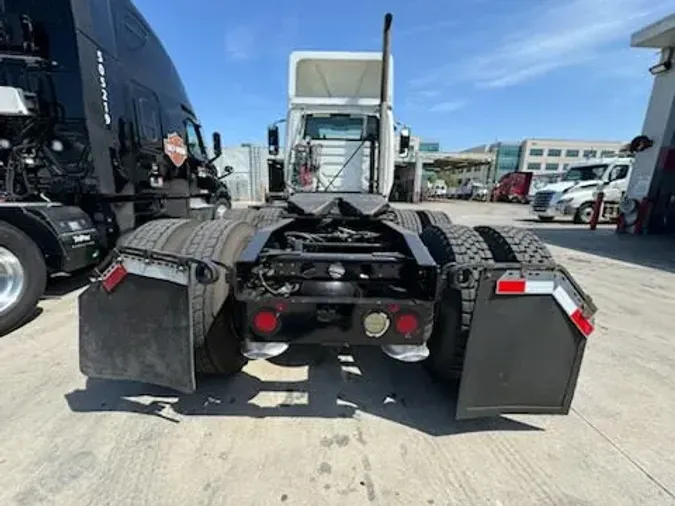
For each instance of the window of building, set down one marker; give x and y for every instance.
(536, 152)
(608, 153)
(572, 153)
(430, 147)
(509, 150)
(533, 166)
(554, 152)
(590, 153)
(552, 166)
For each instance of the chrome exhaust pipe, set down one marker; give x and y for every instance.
(261, 351)
(406, 352)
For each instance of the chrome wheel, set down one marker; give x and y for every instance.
(12, 279)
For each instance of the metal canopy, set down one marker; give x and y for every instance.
(658, 35)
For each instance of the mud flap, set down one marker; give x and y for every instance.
(136, 324)
(525, 345)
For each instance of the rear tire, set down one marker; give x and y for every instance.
(160, 235)
(515, 245)
(217, 346)
(429, 218)
(25, 274)
(409, 219)
(453, 244)
(268, 216)
(243, 214)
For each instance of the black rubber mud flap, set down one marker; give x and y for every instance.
(524, 350)
(141, 331)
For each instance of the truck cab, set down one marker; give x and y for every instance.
(338, 136)
(574, 195)
(97, 137)
(440, 189)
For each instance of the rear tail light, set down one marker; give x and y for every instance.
(406, 323)
(265, 321)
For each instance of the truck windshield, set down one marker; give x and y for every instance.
(339, 126)
(585, 173)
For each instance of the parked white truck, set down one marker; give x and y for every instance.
(337, 131)
(574, 195)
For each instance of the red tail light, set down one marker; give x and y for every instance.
(265, 321)
(113, 277)
(406, 323)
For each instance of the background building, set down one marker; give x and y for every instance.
(543, 156)
(553, 155)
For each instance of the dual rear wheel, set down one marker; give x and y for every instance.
(216, 344)
(460, 244)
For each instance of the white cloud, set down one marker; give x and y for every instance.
(448, 106)
(549, 36)
(240, 43)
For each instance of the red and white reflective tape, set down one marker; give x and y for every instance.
(522, 286)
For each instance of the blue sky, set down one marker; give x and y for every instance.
(466, 72)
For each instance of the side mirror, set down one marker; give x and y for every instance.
(217, 146)
(273, 140)
(404, 142)
(227, 170)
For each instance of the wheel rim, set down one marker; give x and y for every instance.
(586, 214)
(220, 211)
(12, 279)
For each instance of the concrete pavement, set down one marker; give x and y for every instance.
(322, 428)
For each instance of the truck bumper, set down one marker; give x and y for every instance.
(400, 327)
(554, 211)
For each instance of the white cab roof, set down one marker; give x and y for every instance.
(337, 75)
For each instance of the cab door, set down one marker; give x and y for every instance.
(617, 182)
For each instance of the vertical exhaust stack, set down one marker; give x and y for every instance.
(384, 100)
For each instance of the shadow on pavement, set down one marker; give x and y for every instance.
(32, 316)
(338, 386)
(62, 285)
(657, 252)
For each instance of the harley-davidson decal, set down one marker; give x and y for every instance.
(175, 149)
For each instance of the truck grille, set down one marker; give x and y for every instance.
(541, 200)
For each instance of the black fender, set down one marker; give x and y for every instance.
(63, 250)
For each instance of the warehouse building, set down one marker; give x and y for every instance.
(553, 155)
(544, 156)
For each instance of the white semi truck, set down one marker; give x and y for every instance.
(338, 131)
(574, 195)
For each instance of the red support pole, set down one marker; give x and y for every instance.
(597, 205)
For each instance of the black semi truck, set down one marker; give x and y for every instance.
(97, 137)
